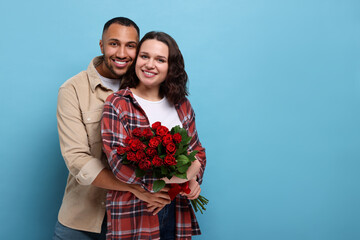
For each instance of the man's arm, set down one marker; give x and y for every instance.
(107, 180)
(76, 152)
(74, 143)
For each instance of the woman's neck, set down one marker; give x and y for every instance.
(150, 94)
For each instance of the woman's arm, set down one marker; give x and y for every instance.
(197, 168)
(191, 174)
(115, 118)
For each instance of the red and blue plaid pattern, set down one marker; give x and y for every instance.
(127, 215)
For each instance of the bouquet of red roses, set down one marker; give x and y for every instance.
(162, 153)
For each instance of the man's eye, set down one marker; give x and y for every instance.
(131, 46)
(113, 44)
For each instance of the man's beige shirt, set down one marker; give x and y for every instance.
(79, 110)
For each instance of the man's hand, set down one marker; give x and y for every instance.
(156, 201)
(195, 190)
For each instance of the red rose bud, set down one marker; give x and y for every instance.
(151, 152)
(121, 150)
(155, 125)
(140, 155)
(170, 148)
(147, 133)
(162, 131)
(170, 160)
(145, 164)
(131, 156)
(154, 142)
(137, 132)
(167, 139)
(157, 161)
(177, 138)
(128, 140)
(135, 144)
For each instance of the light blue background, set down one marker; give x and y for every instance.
(275, 86)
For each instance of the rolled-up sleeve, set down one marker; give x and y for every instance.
(195, 142)
(73, 138)
(114, 133)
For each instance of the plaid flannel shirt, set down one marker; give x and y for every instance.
(127, 215)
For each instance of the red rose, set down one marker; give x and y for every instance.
(140, 155)
(154, 142)
(127, 140)
(157, 161)
(121, 150)
(170, 160)
(170, 148)
(135, 144)
(131, 156)
(137, 132)
(162, 131)
(145, 164)
(151, 152)
(147, 133)
(177, 138)
(167, 139)
(155, 125)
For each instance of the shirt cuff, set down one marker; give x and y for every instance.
(89, 172)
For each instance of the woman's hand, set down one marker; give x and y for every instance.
(191, 173)
(195, 190)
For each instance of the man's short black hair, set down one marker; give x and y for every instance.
(122, 21)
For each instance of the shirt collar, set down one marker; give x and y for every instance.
(94, 78)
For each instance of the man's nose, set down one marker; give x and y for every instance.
(121, 52)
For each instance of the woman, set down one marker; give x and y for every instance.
(154, 89)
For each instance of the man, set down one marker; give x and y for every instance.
(80, 103)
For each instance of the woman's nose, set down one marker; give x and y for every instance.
(150, 63)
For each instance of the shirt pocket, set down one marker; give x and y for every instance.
(92, 121)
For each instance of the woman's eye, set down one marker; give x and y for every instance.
(161, 60)
(143, 56)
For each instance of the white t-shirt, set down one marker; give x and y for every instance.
(113, 84)
(160, 111)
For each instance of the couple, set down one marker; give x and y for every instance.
(152, 81)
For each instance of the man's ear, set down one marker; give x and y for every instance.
(101, 46)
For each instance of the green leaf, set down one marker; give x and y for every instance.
(184, 168)
(175, 129)
(125, 161)
(157, 173)
(180, 149)
(181, 160)
(159, 149)
(181, 175)
(164, 171)
(191, 156)
(158, 185)
(139, 173)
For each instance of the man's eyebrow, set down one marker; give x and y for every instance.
(117, 40)
(114, 39)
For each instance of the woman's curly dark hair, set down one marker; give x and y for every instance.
(174, 87)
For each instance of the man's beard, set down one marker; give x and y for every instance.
(110, 68)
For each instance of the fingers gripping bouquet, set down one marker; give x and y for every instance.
(162, 153)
